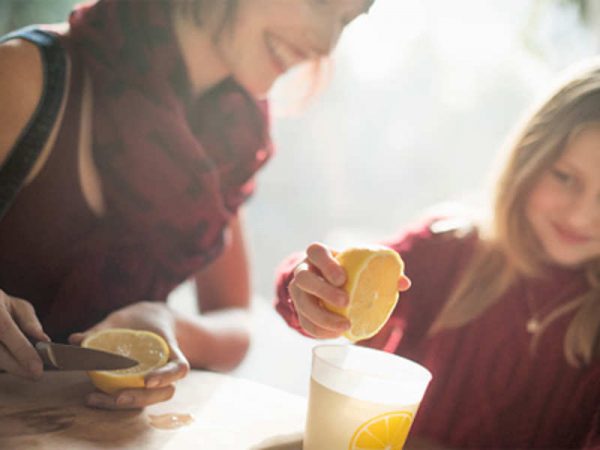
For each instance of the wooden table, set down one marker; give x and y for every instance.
(228, 414)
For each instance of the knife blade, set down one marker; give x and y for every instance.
(72, 357)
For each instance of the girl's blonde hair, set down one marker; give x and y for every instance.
(508, 247)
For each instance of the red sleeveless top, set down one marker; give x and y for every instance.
(75, 267)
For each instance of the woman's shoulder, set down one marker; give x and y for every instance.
(21, 88)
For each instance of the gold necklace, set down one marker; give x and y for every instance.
(536, 324)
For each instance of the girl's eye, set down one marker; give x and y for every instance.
(563, 177)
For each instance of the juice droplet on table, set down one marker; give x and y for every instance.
(170, 421)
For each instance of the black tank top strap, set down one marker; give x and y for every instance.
(30, 143)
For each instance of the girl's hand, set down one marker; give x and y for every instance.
(317, 281)
(150, 316)
(18, 320)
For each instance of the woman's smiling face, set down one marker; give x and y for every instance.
(268, 37)
(564, 206)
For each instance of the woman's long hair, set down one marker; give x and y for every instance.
(508, 247)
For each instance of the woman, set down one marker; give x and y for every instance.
(129, 139)
(506, 316)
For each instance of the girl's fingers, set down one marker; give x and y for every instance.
(308, 306)
(17, 344)
(312, 283)
(322, 258)
(316, 331)
(404, 283)
(131, 398)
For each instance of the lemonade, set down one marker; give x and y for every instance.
(361, 399)
(335, 419)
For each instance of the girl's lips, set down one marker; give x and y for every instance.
(570, 236)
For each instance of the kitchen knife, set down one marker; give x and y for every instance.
(72, 357)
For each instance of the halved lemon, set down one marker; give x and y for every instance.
(372, 286)
(385, 432)
(149, 349)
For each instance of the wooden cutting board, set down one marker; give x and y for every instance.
(227, 414)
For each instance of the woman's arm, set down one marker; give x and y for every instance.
(21, 86)
(592, 440)
(225, 283)
(21, 81)
(218, 339)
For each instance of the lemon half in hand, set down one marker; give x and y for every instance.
(149, 349)
(372, 286)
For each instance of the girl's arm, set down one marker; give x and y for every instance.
(218, 338)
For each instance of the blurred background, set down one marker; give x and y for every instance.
(421, 99)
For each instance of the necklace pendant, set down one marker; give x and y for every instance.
(532, 326)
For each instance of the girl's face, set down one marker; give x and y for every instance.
(564, 206)
(268, 37)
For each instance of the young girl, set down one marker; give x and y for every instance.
(129, 139)
(505, 315)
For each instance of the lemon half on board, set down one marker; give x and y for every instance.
(372, 285)
(149, 349)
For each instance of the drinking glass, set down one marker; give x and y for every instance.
(361, 398)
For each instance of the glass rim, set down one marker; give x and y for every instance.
(427, 374)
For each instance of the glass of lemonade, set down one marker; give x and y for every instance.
(361, 398)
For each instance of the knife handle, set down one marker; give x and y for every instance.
(45, 352)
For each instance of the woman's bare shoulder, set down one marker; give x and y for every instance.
(21, 86)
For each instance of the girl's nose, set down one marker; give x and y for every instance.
(585, 213)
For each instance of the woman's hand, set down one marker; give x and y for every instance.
(17, 321)
(150, 316)
(317, 281)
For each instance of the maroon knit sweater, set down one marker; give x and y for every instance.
(488, 389)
